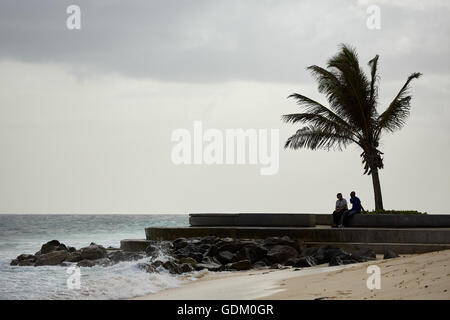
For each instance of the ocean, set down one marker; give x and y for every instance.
(26, 234)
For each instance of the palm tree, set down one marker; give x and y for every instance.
(352, 115)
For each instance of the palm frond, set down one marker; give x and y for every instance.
(313, 138)
(315, 108)
(356, 88)
(394, 117)
(373, 64)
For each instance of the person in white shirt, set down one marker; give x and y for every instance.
(341, 206)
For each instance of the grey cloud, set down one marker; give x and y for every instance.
(209, 41)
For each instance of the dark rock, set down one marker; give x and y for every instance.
(251, 252)
(188, 260)
(23, 257)
(189, 250)
(61, 246)
(212, 251)
(231, 247)
(146, 267)
(336, 261)
(330, 253)
(239, 265)
(311, 251)
(14, 262)
(225, 257)
(119, 255)
(259, 264)
(282, 253)
(363, 255)
(93, 252)
(285, 241)
(104, 262)
(186, 267)
(209, 239)
(151, 250)
(305, 262)
(179, 243)
(209, 266)
(172, 267)
(49, 246)
(52, 258)
(325, 253)
(156, 264)
(86, 263)
(71, 249)
(389, 254)
(26, 263)
(74, 257)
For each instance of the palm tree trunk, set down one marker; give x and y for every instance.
(377, 189)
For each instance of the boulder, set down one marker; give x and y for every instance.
(186, 267)
(336, 261)
(259, 264)
(151, 250)
(285, 240)
(156, 264)
(212, 251)
(74, 257)
(363, 255)
(189, 261)
(86, 263)
(52, 258)
(179, 243)
(225, 257)
(230, 246)
(172, 267)
(208, 266)
(49, 246)
(119, 255)
(305, 262)
(209, 239)
(93, 252)
(146, 267)
(389, 254)
(24, 257)
(239, 265)
(252, 252)
(282, 253)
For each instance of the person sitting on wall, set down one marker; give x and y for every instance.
(341, 206)
(356, 209)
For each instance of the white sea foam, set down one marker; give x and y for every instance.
(120, 281)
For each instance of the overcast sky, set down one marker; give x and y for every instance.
(86, 116)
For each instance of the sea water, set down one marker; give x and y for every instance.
(26, 234)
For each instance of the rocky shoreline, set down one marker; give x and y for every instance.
(194, 254)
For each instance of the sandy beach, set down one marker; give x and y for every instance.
(424, 276)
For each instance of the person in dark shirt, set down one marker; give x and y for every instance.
(356, 209)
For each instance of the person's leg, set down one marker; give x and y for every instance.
(336, 217)
(348, 215)
(342, 217)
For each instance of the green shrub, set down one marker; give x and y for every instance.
(394, 212)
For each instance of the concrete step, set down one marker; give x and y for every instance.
(252, 219)
(352, 235)
(310, 220)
